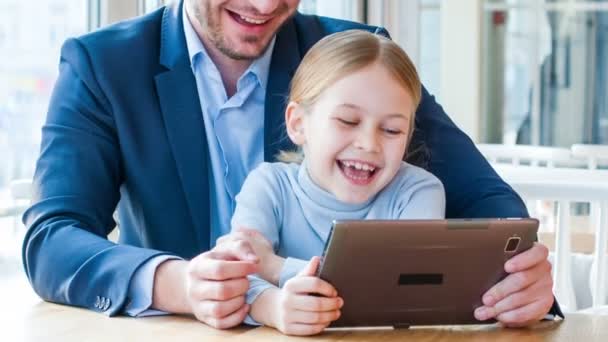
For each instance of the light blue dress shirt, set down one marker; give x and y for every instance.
(235, 133)
(295, 215)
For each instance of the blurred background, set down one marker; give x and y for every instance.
(508, 72)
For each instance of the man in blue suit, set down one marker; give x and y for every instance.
(161, 118)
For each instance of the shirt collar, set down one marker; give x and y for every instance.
(260, 66)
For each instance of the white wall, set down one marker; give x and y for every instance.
(116, 10)
(460, 63)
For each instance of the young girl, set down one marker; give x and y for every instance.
(351, 112)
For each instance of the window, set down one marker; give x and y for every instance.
(308, 6)
(31, 34)
(546, 72)
(146, 6)
(430, 44)
(413, 24)
(343, 9)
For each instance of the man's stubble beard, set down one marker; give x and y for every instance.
(214, 34)
(217, 39)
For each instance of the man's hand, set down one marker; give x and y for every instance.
(212, 286)
(525, 295)
(270, 264)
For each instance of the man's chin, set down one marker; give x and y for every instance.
(248, 49)
(246, 56)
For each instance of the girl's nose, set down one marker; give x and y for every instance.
(367, 141)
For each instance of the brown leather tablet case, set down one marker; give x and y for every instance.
(419, 272)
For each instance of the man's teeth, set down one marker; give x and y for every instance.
(253, 21)
(359, 166)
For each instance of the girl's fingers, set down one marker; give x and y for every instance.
(309, 317)
(311, 268)
(308, 285)
(316, 304)
(297, 329)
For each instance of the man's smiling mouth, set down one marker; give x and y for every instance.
(246, 20)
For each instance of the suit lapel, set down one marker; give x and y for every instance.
(285, 60)
(181, 110)
(180, 106)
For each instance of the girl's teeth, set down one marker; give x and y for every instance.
(359, 166)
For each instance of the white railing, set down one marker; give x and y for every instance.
(531, 155)
(595, 155)
(566, 186)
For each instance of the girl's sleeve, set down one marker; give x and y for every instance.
(258, 206)
(423, 198)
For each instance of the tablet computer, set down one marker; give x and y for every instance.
(419, 272)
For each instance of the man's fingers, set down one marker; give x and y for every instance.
(219, 309)
(250, 232)
(229, 321)
(234, 236)
(237, 248)
(244, 234)
(218, 290)
(534, 293)
(318, 304)
(516, 282)
(535, 255)
(527, 314)
(218, 255)
(211, 269)
(224, 238)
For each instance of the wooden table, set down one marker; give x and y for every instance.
(40, 321)
(24, 317)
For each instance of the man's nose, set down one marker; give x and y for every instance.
(266, 6)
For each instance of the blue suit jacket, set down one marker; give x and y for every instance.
(125, 127)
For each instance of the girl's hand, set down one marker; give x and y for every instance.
(299, 312)
(525, 295)
(270, 265)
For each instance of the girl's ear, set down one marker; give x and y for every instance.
(294, 121)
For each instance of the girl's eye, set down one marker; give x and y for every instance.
(391, 131)
(347, 122)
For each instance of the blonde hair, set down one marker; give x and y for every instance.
(341, 54)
